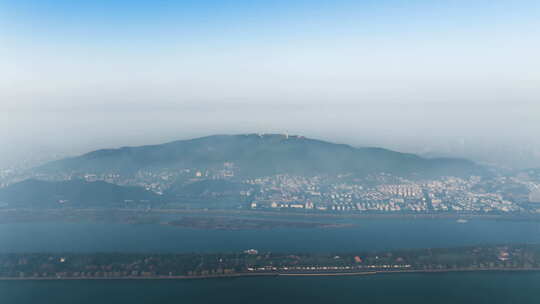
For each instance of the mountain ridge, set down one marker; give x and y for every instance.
(258, 155)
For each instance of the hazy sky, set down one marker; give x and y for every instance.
(411, 75)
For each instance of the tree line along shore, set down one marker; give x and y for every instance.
(48, 266)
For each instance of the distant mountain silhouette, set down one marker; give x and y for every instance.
(260, 155)
(72, 193)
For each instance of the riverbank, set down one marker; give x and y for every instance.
(274, 274)
(448, 288)
(270, 213)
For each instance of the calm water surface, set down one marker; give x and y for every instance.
(367, 234)
(448, 288)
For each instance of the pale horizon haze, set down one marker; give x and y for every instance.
(451, 78)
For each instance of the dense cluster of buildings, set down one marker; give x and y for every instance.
(339, 193)
(448, 194)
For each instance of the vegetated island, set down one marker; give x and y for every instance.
(231, 223)
(74, 266)
(195, 219)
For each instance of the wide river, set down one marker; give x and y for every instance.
(366, 234)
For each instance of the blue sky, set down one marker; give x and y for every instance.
(292, 47)
(230, 66)
(124, 22)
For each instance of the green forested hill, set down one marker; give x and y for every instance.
(75, 193)
(256, 155)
